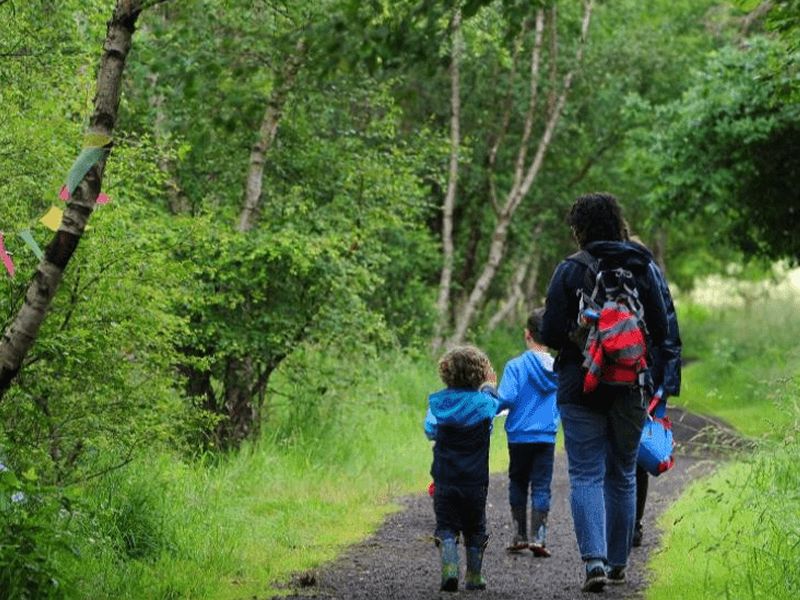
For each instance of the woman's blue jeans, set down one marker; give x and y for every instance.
(602, 444)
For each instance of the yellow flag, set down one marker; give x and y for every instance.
(52, 220)
(93, 139)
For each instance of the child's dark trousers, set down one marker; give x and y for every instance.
(461, 508)
(530, 467)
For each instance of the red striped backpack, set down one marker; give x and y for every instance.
(612, 319)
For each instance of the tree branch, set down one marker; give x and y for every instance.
(445, 279)
(547, 136)
(508, 103)
(531, 112)
(592, 160)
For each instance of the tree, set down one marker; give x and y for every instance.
(23, 330)
(445, 280)
(267, 132)
(728, 153)
(525, 172)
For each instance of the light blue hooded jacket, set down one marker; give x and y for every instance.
(460, 408)
(528, 391)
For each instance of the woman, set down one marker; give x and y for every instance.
(602, 427)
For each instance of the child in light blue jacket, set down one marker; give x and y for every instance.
(528, 390)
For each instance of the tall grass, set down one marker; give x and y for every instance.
(737, 359)
(737, 534)
(333, 458)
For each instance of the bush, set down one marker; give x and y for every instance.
(34, 539)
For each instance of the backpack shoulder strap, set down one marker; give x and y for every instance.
(583, 257)
(592, 264)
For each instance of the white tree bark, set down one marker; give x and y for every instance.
(518, 302)
(515, 295)
(24, 328)
(521, 186)
(267, 133)
(445, 280)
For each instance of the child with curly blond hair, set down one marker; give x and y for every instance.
(459, 420)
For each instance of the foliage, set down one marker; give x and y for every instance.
(34, 538)
(736, 534)
(167, 315)
(100, 382)
(726, 150)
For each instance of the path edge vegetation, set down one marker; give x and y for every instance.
(736, 532)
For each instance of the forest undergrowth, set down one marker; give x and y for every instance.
(737, 533)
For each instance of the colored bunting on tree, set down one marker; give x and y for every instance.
(52, 220)
(94, 148)
(93, 151)
(93, 139)
(4, 256)
(26, 235)
(85, 161)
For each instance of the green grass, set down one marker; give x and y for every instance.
(739, 362)
(737, 533)
(236, 528)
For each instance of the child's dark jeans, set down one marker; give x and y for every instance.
(461, 508)
(530, 465)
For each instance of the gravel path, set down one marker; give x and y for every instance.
(400, 560)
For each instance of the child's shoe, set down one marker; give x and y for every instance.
(449, 553)
(539, 534)
(519, 517)
(475, 580)
(595, 576)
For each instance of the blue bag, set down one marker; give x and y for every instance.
(656, 446)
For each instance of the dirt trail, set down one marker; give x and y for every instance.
(400, 560)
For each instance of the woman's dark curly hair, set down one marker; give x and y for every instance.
(595, 217)
(464, 367)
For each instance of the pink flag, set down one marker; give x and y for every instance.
(64, 193)
(5, 257)
(103, 198)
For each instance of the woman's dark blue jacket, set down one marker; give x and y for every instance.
(561, 310)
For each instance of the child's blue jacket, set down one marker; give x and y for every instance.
(460, 421)
(459, 408)
(528, 391)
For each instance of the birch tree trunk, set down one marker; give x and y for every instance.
(524, 174)
(517, 304)
(515, 296)
(24, 328)
(445, 281)
(266, 134)
(176, 200)
(531, 283)
(240, 405)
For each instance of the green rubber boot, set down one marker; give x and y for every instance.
(449, 552)
(475, 580)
